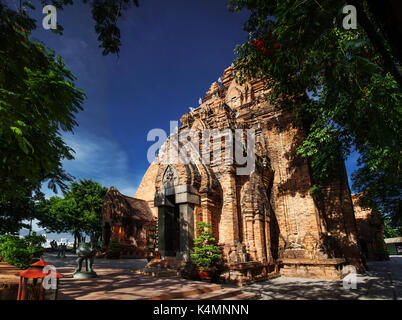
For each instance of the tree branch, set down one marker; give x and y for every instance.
(376, 41)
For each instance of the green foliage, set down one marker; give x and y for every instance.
(38, 100)
(114, 249)
(13, 214)
(105, 13)
(152, 239)
(80, 211)
(390, 231)
(20, 252)
(206, 254)
(342, 86)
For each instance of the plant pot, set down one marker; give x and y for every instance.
(205, 275)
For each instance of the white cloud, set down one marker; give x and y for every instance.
(101, 160)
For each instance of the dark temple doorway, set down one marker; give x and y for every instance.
(172, 228)
(107, 233)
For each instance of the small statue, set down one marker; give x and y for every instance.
(85, 251)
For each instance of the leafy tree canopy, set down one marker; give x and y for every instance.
(38, 100)
(14, 214)
(80, 211)
(346, 85)
(105, 13)
(390, 231)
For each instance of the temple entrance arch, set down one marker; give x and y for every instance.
(176, 221)
(175, 203)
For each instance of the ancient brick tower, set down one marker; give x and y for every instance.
(264, 219)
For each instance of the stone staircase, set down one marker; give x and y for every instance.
(167, 267)
(208, 292)
(170, 268)
(223, 294)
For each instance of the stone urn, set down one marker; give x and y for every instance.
(86, 252)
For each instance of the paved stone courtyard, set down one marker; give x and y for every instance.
(383, 280)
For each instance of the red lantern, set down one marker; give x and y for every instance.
(35, 272)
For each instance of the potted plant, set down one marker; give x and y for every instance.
(206, 254)
(152, 240)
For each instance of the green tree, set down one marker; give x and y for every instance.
(60, 215)
(88, 196)
(38, 100)
(206, 253)
(15, 215)
(343, 87)
(390, 231)
(79, 212)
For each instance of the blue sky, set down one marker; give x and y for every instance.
(172, 51)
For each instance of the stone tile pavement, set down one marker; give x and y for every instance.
(116, 282)
(382, 281)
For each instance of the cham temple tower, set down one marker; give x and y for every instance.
(266, 222)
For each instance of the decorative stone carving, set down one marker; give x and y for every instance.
(170, 177)
(186, 119)
(239, 254)
(205, 111)
(295, 242)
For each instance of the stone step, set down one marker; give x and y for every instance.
(186, 293)
(214, 295)
(223, 294)
(245, 296)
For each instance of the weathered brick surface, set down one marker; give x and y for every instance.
(146, 190)
(370, 228)
(269, 214)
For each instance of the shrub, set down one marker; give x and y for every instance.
(114, 249)
(21, 252)
(206, 253)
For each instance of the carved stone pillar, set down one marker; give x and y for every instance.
(186, 230)
(229, 225)
(268, 239)
(250, 234)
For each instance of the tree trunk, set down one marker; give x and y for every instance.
(77, 239)
(30, 227)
